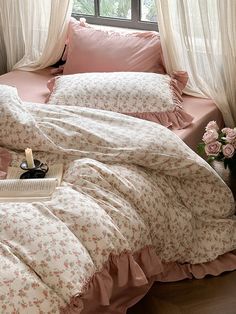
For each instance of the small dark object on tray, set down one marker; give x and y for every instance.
(38, 172)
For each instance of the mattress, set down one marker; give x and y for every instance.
(32, 87)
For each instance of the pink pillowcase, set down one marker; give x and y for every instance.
(94, 50)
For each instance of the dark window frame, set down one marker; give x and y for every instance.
(134, 23)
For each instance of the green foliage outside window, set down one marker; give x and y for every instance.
(149, 11)
(83, 7)
(116, 9)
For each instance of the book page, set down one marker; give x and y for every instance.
(15, 189)
(27, 187)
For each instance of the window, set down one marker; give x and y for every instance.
(139, 14)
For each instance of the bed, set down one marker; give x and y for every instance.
(133, 208)
(136, 203)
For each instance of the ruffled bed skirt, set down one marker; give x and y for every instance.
(126, 278)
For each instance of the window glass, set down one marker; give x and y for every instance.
(116, 9)
(136, 14)
(84, 7)
(148, 11)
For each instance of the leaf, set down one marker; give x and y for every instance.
(210, 159)
(201, 149)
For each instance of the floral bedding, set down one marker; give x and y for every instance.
(133, 199)
(157, 99)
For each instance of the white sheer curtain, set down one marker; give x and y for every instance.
(32, 32)
(200, 37)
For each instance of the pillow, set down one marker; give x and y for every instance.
(95, 50)
(150, 96)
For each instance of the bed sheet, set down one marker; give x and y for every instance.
(32, 87)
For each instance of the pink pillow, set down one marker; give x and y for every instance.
(95, 50)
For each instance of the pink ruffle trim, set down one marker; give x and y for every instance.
(126, 278)
(5, 159)
(54, 71)
(175, 119)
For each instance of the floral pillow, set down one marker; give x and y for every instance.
(149, 96)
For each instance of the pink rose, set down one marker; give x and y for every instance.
(226, 130)
(228, 150)
(210, 136)
(230, 136)
(212, 125)
(213, 148)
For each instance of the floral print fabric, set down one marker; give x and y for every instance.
(127, 184)
(148, 96)
(116, 91)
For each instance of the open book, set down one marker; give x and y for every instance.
(15, 189)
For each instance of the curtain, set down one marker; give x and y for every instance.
(199, 36)
(32, 33)
(3, 56)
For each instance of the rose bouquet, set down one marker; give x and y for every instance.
(219, 145)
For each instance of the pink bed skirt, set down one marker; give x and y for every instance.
(126, 278)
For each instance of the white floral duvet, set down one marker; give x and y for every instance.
(128, 184)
